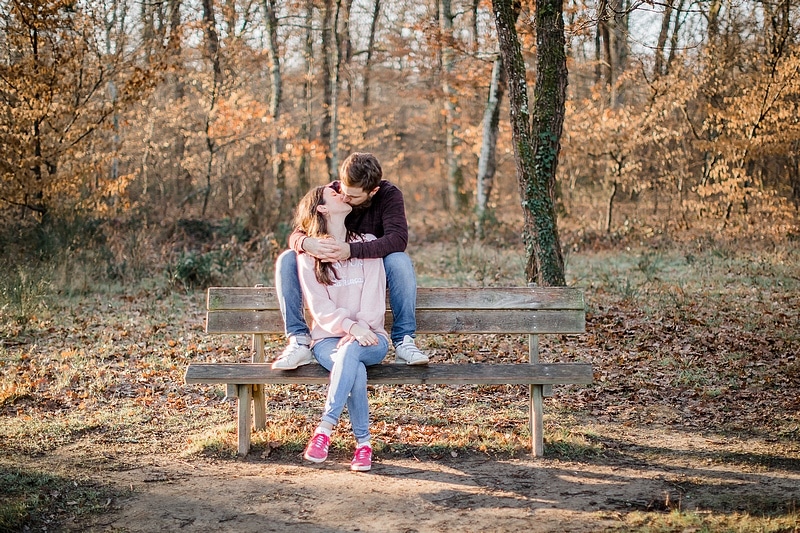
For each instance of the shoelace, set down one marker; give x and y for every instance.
(412, 349)
(363, 453)
(319, 440)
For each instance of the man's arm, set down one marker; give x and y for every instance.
(395, 229)
(324, 249)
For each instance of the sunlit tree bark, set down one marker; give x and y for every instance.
(487, 160)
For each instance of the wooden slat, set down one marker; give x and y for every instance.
(264, 298)
(428, 321)
(244, 322)
(241, 298)
(500, 298)
(470, 373)
(500, 321)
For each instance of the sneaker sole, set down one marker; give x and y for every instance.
(412, 363)
(291, 367)
(360, 468)
(314, 459)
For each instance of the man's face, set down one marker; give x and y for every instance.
(356, 196)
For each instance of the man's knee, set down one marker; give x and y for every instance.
(398, 261)
(286, 262)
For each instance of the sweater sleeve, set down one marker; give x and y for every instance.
(324, 311)
(373, 296)
(296, 240)
(392, 213)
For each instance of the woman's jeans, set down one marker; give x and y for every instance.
(348, 383)
(400, 280)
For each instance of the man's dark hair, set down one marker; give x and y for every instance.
(361, 170)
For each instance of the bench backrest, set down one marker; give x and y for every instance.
(534, 310)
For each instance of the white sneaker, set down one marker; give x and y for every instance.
(293, 355)
(408, 352)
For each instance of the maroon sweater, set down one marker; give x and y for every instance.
(385, 218)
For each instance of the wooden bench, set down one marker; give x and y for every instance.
(531, 311)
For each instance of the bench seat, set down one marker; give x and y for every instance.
(399, 374)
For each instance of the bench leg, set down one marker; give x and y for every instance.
(259, 404)
(245, 396)
(537, 420)
(259, 407)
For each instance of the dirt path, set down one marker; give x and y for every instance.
(656, 471)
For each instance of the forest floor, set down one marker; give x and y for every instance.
(692, 424)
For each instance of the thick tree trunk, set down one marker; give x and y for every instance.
(536, 148)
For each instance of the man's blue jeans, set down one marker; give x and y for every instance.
(348, 383)
(401, 280)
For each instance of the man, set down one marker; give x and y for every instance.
(378, 208)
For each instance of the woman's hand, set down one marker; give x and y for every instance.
(361, 335)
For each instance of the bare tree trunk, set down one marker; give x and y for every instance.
(454, 184)
(368, 63)
(794, 175)
(610, 205)
(663, 34)
(346, 53)
(306, 128)
(175, 79)
(148, 32)
(276, 96)
(325, 76)
(114, 26)
(487, 161)
(273, 200)
(536, 147)
(613, 26)
(212, 49)
(673, 45)
(336, 65)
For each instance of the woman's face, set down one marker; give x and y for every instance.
(335, 202)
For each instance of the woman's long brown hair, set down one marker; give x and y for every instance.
(313, 223)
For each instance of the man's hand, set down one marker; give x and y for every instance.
(329, 250)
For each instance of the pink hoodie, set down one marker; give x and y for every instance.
(358, 296)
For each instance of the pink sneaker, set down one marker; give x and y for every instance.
(362, 460)
(317, 449)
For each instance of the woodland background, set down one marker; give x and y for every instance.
(151, 149)
(139, 135)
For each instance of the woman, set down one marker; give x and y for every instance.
(347, 303)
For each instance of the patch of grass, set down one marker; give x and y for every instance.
(32, 499)
(468, 263)
(571, 444)
(678, 521)
(23, 293)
